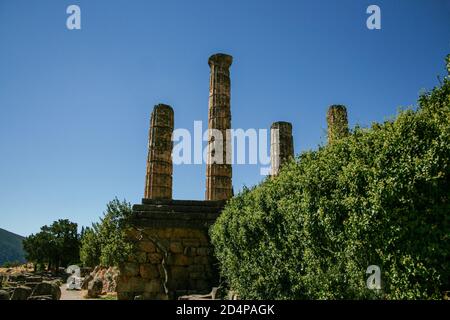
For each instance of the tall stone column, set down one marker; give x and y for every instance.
(281, 145)
(337, 123)
(158, 181)
(218, 167)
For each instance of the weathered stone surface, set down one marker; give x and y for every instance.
(109, 278)
(47, 289)
(34, 279)
(177, 272)
(176, 247)
(202, 251)
(43, 297)
(123, 284)
(32, 285)
(139, 257)
(337, 123)
(200, 284)
(147, 246)
(215, 292)
(281, 145)
(196, 268)
(218, 167)
(196, 275)
(130, 269)
(187, 252)
(137, 284)
(21, 293)
(149, 271)
(4, 295)
(125, 295)
(154, 296)
(159, 162)
(155, 258)
(18, 277)
(182, 233)
(86, 280)
(154, 286)
(179, 260)
(201, 260)
(95, 288)
(191, 243)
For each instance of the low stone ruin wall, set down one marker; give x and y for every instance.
(173, 255)
(30, 286)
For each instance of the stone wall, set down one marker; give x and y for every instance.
(173, 255)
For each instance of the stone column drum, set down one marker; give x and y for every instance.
(158, 181)
(337, 123)
(281, 145)
(219, 174)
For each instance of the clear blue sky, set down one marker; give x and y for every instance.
(75, 105)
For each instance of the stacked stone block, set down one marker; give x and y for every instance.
(173, 255)
(337, 123)
(281, 145)
(158, 181)
(219, 174)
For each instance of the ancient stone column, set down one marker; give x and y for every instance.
(158, 181)
(218, 167)
(281, 145)
(337, 123)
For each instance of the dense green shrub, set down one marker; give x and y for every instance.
(105, 243)
(380, 196)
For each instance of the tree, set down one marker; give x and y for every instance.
(105, 242)
(90, 250)
(56, 245)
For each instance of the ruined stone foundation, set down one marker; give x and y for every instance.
(173, 254)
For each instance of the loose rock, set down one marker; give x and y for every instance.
(21, 293)
(47, 289)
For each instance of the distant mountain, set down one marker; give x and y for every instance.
(11, 248)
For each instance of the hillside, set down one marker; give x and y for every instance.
(11, 249)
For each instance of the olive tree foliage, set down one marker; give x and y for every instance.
(380, 196)
(54, 246)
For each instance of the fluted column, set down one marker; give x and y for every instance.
(218, 167)
(158, 181)
(337, 123)
(281, 145)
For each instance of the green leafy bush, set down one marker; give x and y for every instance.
(105, 243)
(380, 196)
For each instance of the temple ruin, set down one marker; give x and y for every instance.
(281, 145)
(337, 123)
(158, 180)
(218, 173)
(173, 255)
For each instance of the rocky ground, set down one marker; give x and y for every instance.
(21, 283)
